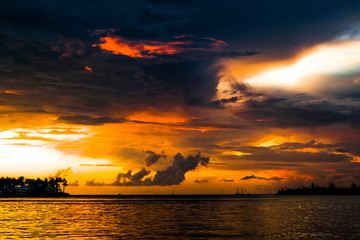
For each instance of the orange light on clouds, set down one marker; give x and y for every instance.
(322, 59)
(120, 46)
(271, 140)
(149, 49)
(308, 150)
(14, 92)
(88, 69)
(236, 153)
(158, 117)
(301, 73)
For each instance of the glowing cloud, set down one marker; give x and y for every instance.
(323, 59)
(150, 49)
(13, 92)
(89, 69)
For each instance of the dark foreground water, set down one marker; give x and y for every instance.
(295, 217)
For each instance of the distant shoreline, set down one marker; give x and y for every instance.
(314, 189)
(172, 197)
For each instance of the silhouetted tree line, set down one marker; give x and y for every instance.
(32, 187)
(314, 189)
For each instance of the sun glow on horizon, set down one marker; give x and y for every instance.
(34, 152)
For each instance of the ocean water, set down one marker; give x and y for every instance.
(179, 217)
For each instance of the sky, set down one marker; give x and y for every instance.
(199, 97)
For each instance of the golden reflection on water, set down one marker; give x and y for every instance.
(181, 218)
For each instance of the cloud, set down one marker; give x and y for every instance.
(293, 153)
(222, 102)
(74, 184)
(147, 17)
(64, 172)
(24, 136)
(89, 69)
(64, 131)
(274, 179)
(320, 65)
(201, 181)
(88, 120)
(131, 154)
(99, 165)
(43, 60)
(151, 49)
(282, 165)
(137, 177)
(262, 178)
(300, 111)
(340, 150)
(93, 183)
(248, 177)
(123, 177)
(152, 157)
(55, 51)
(173, 175)
(226, 180)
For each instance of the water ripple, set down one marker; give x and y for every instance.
(312, 217)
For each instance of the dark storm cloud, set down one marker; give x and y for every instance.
(55, 78)
(243, 88)
(173, 175)
(195, 81)
(243, 21)
(77, 18)
(137, 177)
(300, 111)
(46, 46)
(286, 25)
(152, 157)
(222, 102)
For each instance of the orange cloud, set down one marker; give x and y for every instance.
(88, 69)
(149, 49)
(158, 117)
(14, 92)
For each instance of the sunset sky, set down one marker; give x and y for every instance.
(143, 97)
